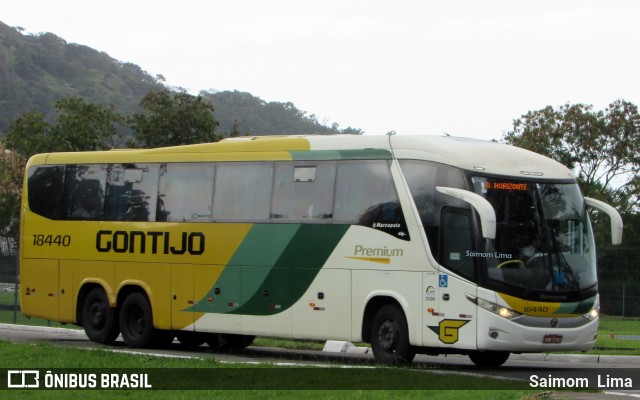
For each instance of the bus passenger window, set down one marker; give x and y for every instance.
(423, 177)
(303, 192)
(131, 192)
(85, 189)
(185, 193)
(45, 187)
(366, 195)
(242, 191)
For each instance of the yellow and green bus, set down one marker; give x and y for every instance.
(415, 244)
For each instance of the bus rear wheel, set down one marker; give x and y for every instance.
(488, 358)
(99, 320)
(136, 320)
(390, 337)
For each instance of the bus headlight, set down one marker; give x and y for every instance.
(593, 314)
(502, 311)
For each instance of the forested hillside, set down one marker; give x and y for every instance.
(38, 70)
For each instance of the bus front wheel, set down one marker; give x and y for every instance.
(136, 320)
(99, 320)
(489, 359)
(390, 336)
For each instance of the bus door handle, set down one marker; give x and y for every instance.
(265, 293)
(445, 297)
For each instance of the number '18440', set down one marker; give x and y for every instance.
(51, 240)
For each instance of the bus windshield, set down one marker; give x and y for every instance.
(543, 237)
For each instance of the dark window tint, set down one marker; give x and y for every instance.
(303, 192)
(131, 193)
(243, 192)
(185, 192)
(457, 240)
(45, 187)
(85, 191)
(365, 194)
(423, 177)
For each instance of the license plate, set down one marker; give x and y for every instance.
(552, 339)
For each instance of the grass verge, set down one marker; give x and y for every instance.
(201, 372)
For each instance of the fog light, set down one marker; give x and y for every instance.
(493, 334)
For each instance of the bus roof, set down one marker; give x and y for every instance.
(470, 154)
(480, 155)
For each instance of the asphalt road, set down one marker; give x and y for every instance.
(517, 367)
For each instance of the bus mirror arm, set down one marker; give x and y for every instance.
(480, 204)
(614, 216)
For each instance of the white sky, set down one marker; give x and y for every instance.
(467, 68)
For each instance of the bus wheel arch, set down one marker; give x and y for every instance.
(95, 314)
(385, 327)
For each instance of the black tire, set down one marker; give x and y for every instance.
(216, 341)
(191, 340)
(390, 337)
(489, 359)
(136, 321)
(99, 320)
(222, 342)
(238, 342)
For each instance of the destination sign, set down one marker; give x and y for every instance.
(506, 186)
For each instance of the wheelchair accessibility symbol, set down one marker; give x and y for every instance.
(444, 281)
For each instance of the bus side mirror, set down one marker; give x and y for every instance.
(614, 216)
(480, 204)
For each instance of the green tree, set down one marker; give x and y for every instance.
(172, 119)
(85, 126)
(602, 147)
(79, 127)
(352, 131)
(30, 134)
(11, 173)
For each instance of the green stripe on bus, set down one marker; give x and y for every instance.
(248, 267)
(264, 244)
(272, 268)
(581, 307)
(320, 155)
(295, 270)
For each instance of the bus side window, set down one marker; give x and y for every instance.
(45, 187)
(423, 177)
(85, 191)
(185, 192)
(457, 241)
(242, 191)
(303, 192)
(366, 195)
(131, 192)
